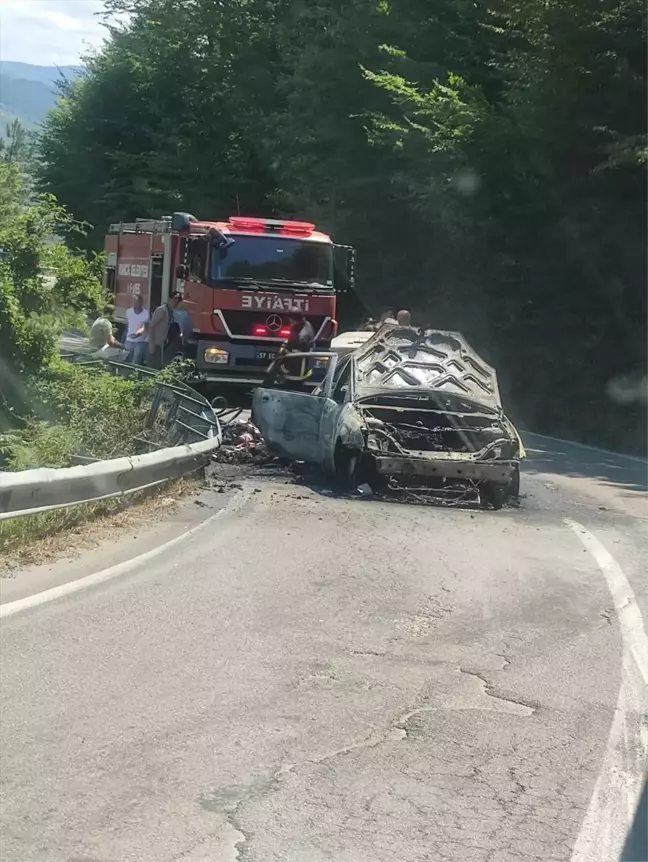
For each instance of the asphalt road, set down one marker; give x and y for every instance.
(310, 678)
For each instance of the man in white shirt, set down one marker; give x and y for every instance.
(137, 320)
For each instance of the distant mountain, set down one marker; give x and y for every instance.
(27, 92)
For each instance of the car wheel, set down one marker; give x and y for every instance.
(514, 487)
(493, 496)
(367, 472)
(346, 466)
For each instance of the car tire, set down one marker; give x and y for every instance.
(493, 496)
(367, 472)
(514, 487)
(346, 466)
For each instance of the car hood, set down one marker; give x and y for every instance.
(401, 360)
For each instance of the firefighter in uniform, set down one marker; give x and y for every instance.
(289, 372)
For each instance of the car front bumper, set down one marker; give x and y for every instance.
(500, 472)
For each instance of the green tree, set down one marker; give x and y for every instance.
(488, 162)
(14, 148)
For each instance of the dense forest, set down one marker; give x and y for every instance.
(487, 160)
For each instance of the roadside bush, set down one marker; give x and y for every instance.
(44, 286)
(102, 413)
(76, 410)
(78, 289)
(39, 444)
(51, 410)
(27, 342)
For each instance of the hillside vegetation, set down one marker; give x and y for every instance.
(27, 92)
(51, 410)
(487, 161)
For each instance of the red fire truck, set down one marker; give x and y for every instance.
(239, 279)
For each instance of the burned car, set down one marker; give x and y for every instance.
(410, 409)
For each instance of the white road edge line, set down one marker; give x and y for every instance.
(10, 608)
(618, 786)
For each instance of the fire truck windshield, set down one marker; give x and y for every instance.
(276, 259)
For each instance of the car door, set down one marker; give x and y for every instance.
(290, 421)
(340, 420)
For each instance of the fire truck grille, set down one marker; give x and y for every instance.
(242, 322)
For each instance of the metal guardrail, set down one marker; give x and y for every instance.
(189, 427)
(30, 491)
(186, 416)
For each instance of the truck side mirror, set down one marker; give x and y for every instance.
(350, 306)
(219, 240)
(182, 271)
(344, 258)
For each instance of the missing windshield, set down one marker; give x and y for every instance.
(274, 259)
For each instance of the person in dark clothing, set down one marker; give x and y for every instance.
(164, 335)
(288, 372)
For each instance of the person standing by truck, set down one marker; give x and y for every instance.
(164, 336)
(286, 370)
(137, 319)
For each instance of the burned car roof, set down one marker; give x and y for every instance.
(400, 360)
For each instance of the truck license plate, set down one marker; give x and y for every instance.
(266, 354)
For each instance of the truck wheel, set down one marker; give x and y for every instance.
(493, 496)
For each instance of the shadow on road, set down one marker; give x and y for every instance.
(624, 473)
(312, 478)
(636, 846)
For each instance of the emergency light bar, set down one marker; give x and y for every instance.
(262, 225)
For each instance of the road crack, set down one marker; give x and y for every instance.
(490, 690)
(393, 733)
(230, 800)
(505, 659)
(607, 615)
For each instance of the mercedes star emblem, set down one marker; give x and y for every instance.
(274, 323)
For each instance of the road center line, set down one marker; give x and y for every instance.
(10, 608)
(618, 786)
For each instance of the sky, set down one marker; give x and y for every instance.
(49, 32)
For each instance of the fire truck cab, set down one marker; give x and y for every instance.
(240, 279)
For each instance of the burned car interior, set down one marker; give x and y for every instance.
(411, 410)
